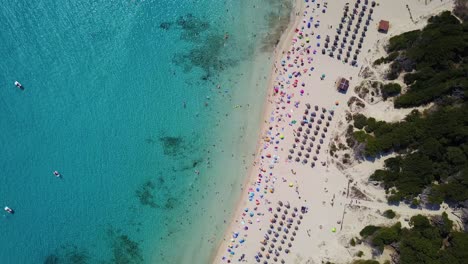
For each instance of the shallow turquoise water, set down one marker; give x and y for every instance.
(121, 97)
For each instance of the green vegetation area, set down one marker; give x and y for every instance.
(432, 146)
(390, 214)
(434, 59)
(427, 241)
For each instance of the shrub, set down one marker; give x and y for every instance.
(360, 121)
(390, 89)
(390, 214)
(369, 230)
(352, 242)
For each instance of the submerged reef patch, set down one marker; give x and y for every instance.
(124, 249)
(208, 50)
(145, 194)
(68, 255)
(156, 195)
(172, 146)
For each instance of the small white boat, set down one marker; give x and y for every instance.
(19, 85)
(57, 174)
(9, 210)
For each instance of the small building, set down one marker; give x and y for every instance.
(383, 26)
(342, 85)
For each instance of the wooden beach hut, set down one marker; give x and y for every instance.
(342, 85)
(383, 26)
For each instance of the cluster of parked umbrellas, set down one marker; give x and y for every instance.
(284, 224)
(311, 134)
(349, 36)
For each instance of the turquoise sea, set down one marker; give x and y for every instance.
(150, 111)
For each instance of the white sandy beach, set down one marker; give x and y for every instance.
(293, 212)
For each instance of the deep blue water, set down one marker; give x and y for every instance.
(121, 97)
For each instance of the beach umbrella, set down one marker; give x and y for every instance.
(276, 234)
(297, 159)
(305, 137)
(317, 127)
(353, 37)
(312, 144)
(274, 240)
(315, 157)
(302, 147)
(319, 122)
(308, 105)
(346, 34)
(315, 133)
(323, 135)
(306, 112)
(262, 248)
(304, 161)
(289, 157)
(325, 129)
(294, 145)
(318, 146)
(310, 125)
(307, 155)
(292, 238)
(281, 223)
(291, 151)
(275, 259)
(309, 149)
(317, 151)
(308, 131)
(321, 142)
(300, 216)
(312, 164)
(269, 231)
(272, 245)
